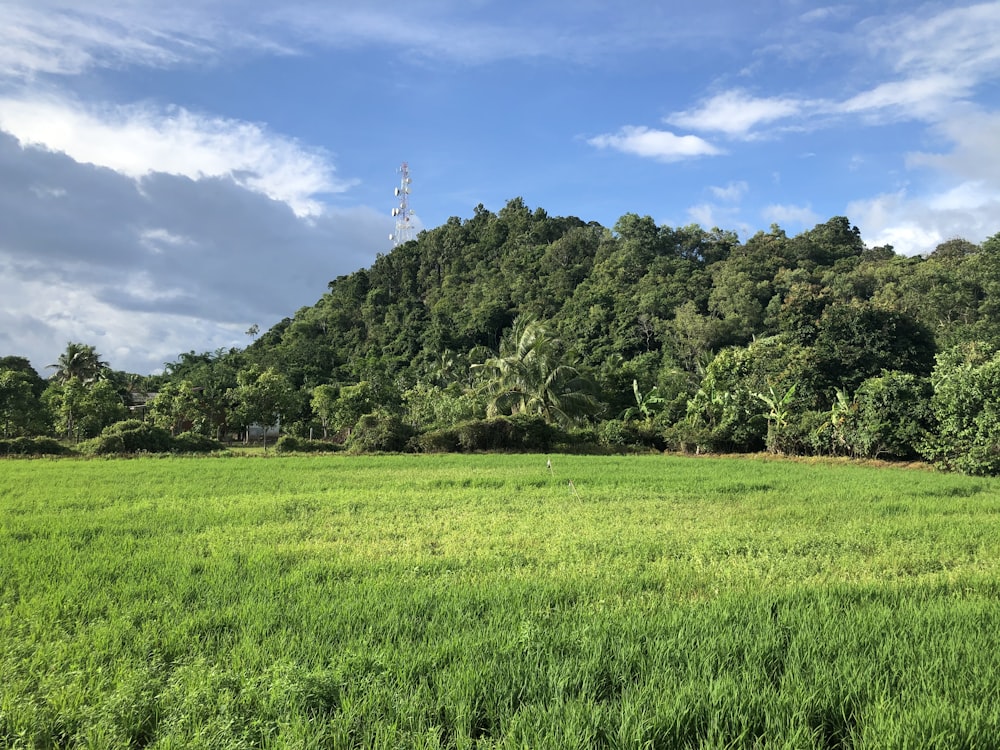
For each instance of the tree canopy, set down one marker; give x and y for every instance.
(682, 337)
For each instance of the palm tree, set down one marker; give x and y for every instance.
(79, 361)
(528, 376)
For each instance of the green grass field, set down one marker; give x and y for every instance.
(486, 601)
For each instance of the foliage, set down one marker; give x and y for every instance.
(627, 433)
(194, 442)
(21, 412)
(858, 341)
(32, 446)
(520, 432)
(129, 436)
(292, 444)
(261, 397)
(966, 406)
(893, 416)
(529, 376)
(432, 406)
(779, 414)
(81, 409)
(441, 440)
(179, 407)
(646, 404)
(686, 330)
(380, 432)
(324, 404)
(80, 362)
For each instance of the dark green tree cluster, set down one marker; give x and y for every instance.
(679, 338)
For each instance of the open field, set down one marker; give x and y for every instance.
(485, 601)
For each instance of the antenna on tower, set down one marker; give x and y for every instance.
(402, 212)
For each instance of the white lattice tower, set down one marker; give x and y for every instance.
(402, 212)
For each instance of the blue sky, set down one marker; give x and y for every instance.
(173, 173)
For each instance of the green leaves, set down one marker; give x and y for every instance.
(529, 376)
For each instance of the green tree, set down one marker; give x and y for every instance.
(21, 411)
(966, 406)
(893, 415)
(858, 341)
(23, 365)
(353, 402)
(81, 410)
(324, 403)
(529, 376)
(178, 407)
(261, 397)
(80, 361)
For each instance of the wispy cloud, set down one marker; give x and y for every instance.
(65, 37)
(140, 139)
(730, 193)
(790, 214)
(959, 41)
(655, 144)
(736, 113)
(920, 98)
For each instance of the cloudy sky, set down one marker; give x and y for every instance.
(173, 173)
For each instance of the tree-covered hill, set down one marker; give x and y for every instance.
(679, 337)
(640, 300)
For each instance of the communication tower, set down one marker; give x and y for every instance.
(402, 212)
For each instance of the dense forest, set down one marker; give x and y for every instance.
(516, 329)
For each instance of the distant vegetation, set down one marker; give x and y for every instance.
(485, 601)
(635, 337)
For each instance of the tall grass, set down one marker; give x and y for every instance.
(484, 601)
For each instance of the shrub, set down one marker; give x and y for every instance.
(292, 444)
(516, 433)
(129, 436)
(627, 433)
(193, 442)
(380, 432)
(809, 433)
(33, 446)
(437, 441)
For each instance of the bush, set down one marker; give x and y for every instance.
(193, 442)
(521, 432)
(130, 436)
(437, 441)
(292, 444)
(809, 433)
(627, 433)
(33, 446)
(380, 432)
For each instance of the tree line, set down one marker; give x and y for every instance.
(640, 335)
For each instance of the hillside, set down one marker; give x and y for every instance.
(646, 335)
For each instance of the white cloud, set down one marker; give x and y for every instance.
(915, 224)
(149, 267)
(138, 140)
(826, 13)
(51, 313)
(731, 193)
(789, 214)
(976, 152)
(958, 41)
(656, 144)
(66, 37)
(925, 97)
(736, 113)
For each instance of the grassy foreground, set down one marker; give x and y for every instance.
(488, 601)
